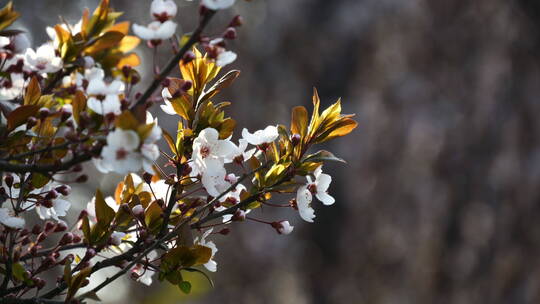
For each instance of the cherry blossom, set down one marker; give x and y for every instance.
(155, 31)
(163, 10)
(104, 96)
(283, 227)
(211, 265)
(44, 59)
(319, 187)
(9, 220)
(167, 107)
(259, 137)
(217, 4)
(120, 155)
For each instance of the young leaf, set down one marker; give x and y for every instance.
(20, 115)
(104, 213)
(185, 286)
(79, 104)
(33, 92)
(321, 156)
(299, 121)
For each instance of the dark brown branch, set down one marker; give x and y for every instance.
(6, 166)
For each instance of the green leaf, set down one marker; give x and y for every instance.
(185, 287)
(18, 271)
(321, 156)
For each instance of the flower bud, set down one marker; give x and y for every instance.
(31, 122)
(65, 115)
(51, 195)
(67, 238)
(39, 283)
(188, 57)
(46, 203)
(138, 211)
(76, 238)
(147, 177)
(44, 113)
(89, 62)
(8, 180)
(36, 229)
(60, 227)
(90, 253)
(64, 189)
(82, 179)
(49, 226)
(187, 85)
(239, 215)
(282, 227)
(236, 21)
(295, 139)
(230, 33)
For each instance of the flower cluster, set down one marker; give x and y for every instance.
(76, 99)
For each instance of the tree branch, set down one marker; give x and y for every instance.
(6, 166)
(174, 61)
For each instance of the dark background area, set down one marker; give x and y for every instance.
(440, 200)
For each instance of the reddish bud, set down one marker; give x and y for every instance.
(237, 21)
(51, 195)
(65, 116)
(147, 177)
(44, 113)
(188, 57)
(8, 180)
(36, 229)
(49, 226)
(90, 253)
(60, 227)
(67, 238)
(39, 283)
(225, 231)
(187, 85)
(230, 33)
(126, 69)
(82, 179)
(295, 139)
(31, 122)
(76, 238)
(64, 189)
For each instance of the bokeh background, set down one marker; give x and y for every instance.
(440, 200)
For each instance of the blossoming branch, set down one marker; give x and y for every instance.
(73, 100)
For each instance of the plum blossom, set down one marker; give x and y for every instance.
(283, 227)
(163, 10)
(155, 31)
(211, 265)
(225, 58)
(319, 187)
(44, 59)
(11, 89)
(8, 220)
(149, 149)
(59, 208)
(217, 4)
(240, 154)
(144, 274)
(120, 154)
(104, 96)
(167, 107)
(259, 137)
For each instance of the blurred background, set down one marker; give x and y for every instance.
(440, 199)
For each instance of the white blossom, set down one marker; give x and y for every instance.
(303, 203)
(44, 59)
(259, 137)
(9, 220)
(217, 4)
(60, 208)
(155, 30)
(319, 187)
(116, 238)
(211, 265)
(284, 227)
(14, 89)
(226, 57)
(104, 96)
(107, 105)
(167, 107)
(120, 155)
(163, 9)
(208, 146)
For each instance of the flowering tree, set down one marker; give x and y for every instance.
(72, 100)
